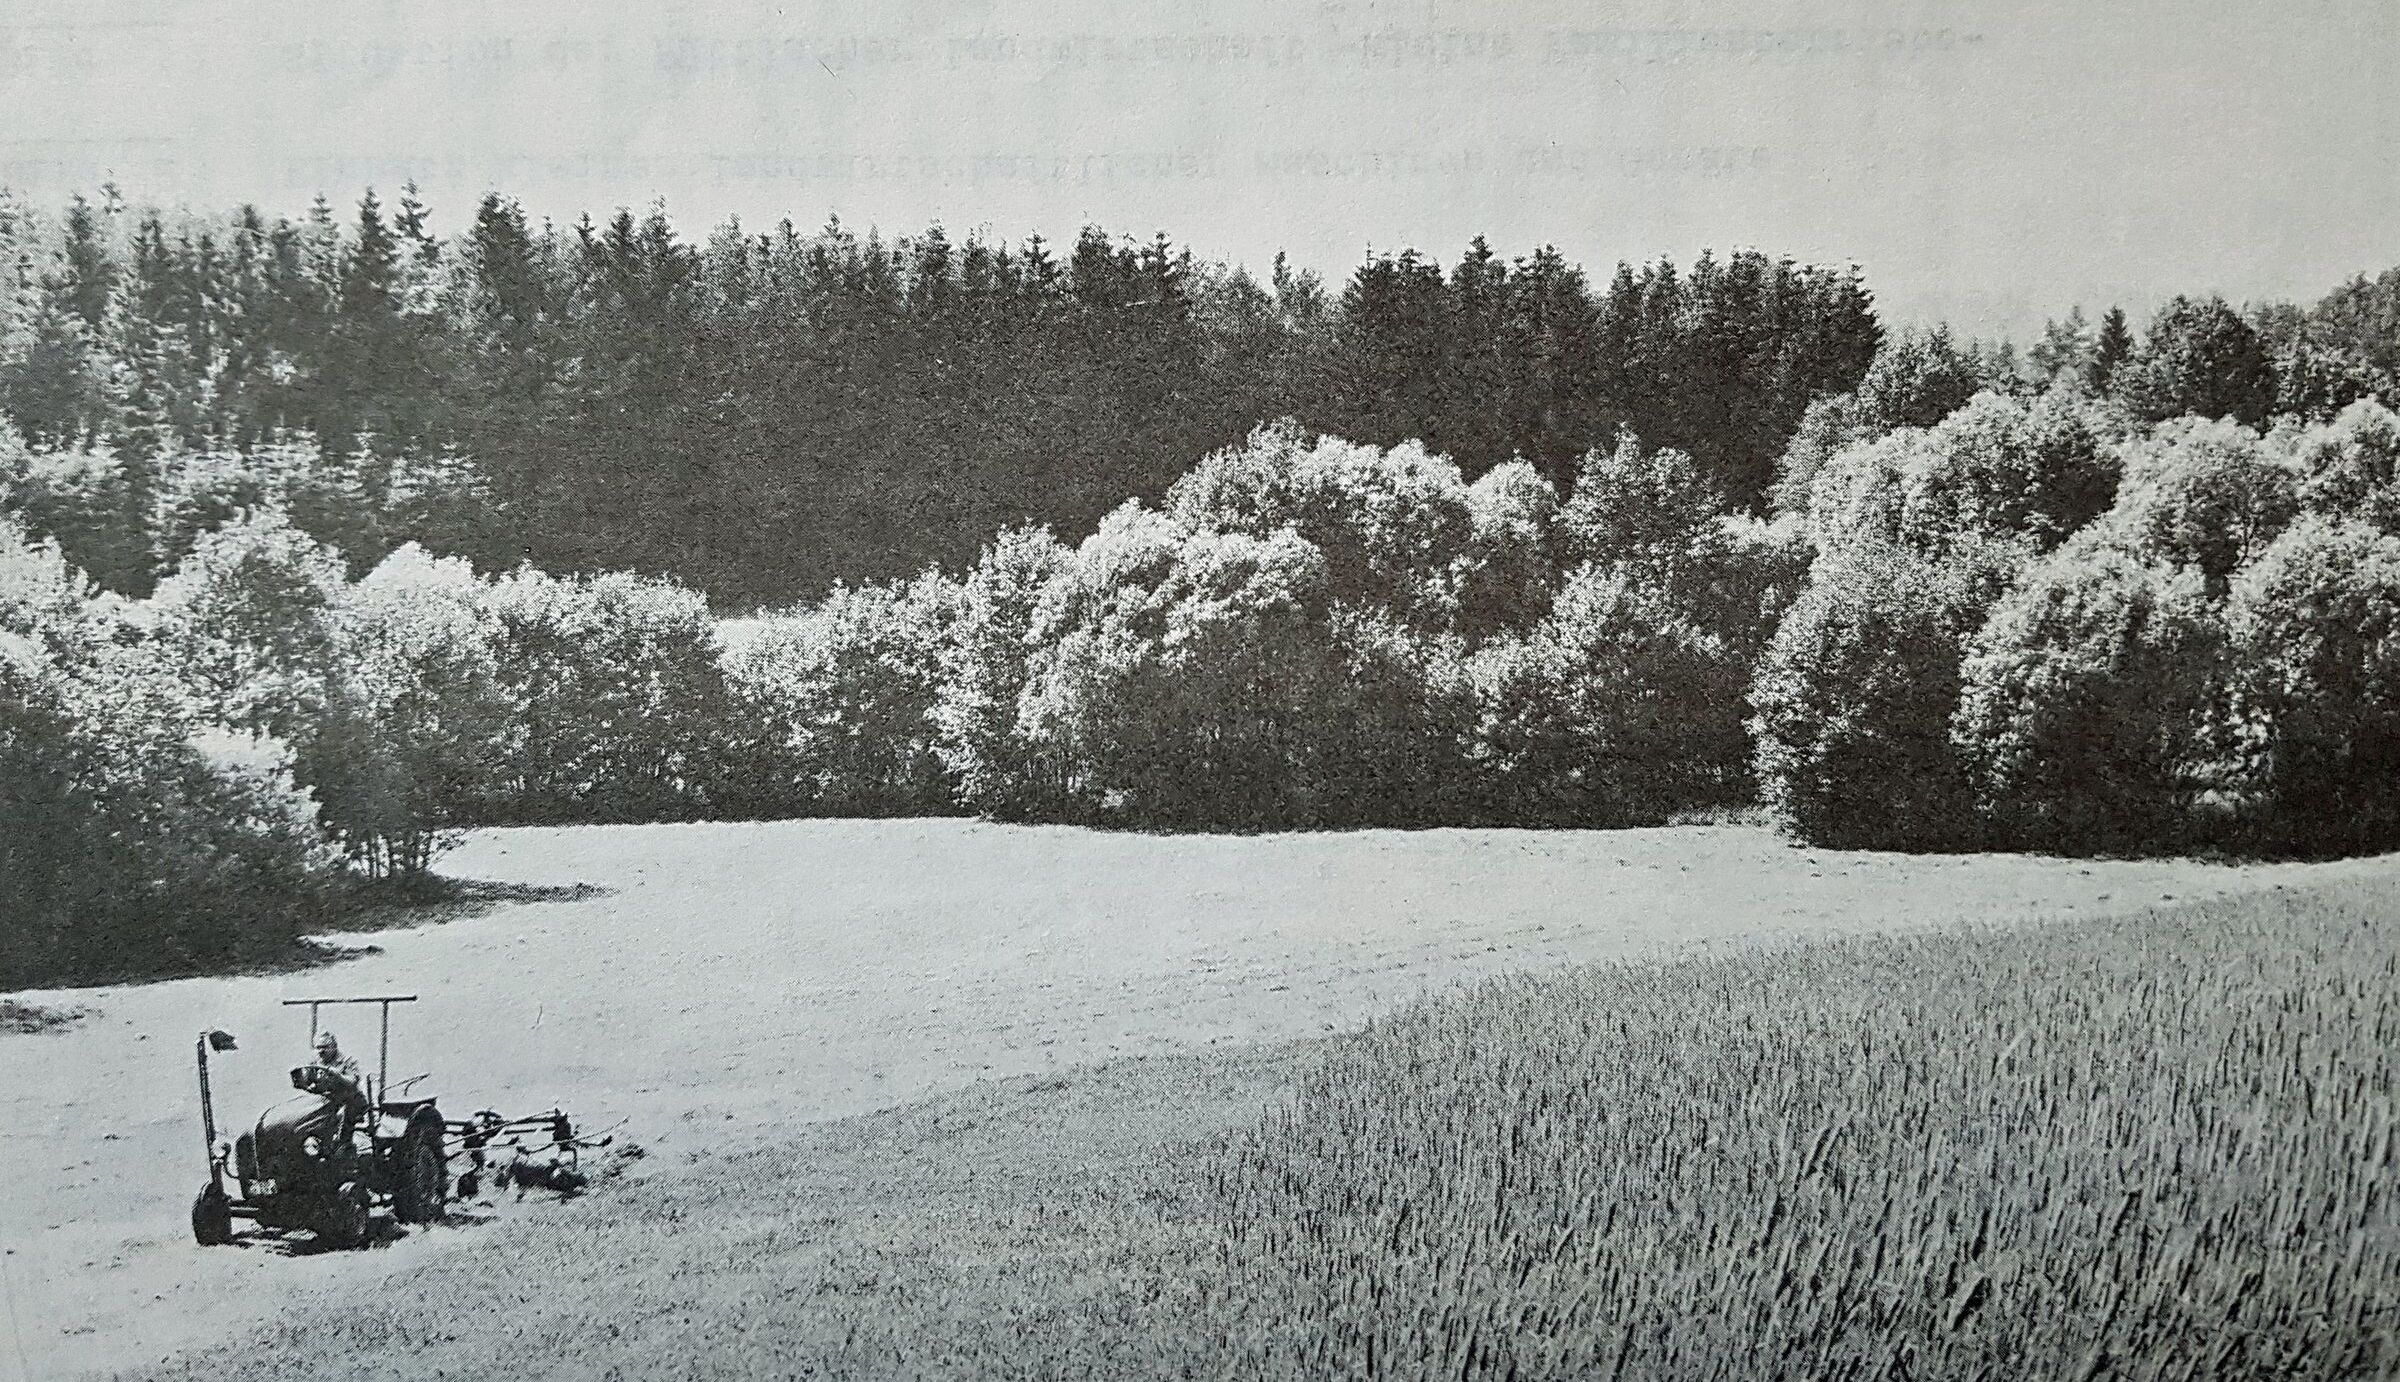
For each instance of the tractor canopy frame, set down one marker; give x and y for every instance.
(383, 1037)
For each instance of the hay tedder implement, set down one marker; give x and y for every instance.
(328, 1159)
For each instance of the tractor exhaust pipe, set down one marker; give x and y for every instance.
(211, 1040)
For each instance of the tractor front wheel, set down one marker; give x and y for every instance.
(423, 1184)
(344, 1222)
(212, 1218)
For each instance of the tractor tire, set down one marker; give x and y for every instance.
(421, 1180)
(212, 1218)
(344, 1221)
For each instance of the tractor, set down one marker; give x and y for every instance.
(326, 1159)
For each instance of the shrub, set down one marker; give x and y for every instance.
(138, 844)
(2001, 468)
(423, 676)
(1829, 427)
(250, 616)
(2350, 467)
(835, 703)
(1916, 379)
(1210, 679)
(1854, 696)
(38, 832)
(130, 836)
(2205, 494)
(1174, 668)
(1393, 526)
(1387, 727)
(388, 691)
(1997, 469)
(1857, 497)
(2086, 703)
(1759, 568)
(1513, 555)
(1614, 710)
(1647, 510)
(2315, 626)
(45, 600)
(989, 662)
(1251, 488)
(253, 618)
(1721, 574)
(1177, 669)
(615, 683)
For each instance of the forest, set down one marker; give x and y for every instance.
(322, 539)
(761, 415)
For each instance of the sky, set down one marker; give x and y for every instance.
(1987, 162)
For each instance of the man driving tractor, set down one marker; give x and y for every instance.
(353, 1097)
(327, 1160)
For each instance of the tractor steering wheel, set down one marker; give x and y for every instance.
(323, 1082)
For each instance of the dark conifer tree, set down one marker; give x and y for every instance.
(1390, 350)
(372, 384)
(2111, 348)
(1551, 348)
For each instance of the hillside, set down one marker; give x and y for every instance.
(725, 985)
(2114, 1148)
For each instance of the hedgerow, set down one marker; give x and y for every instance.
(2030, 622)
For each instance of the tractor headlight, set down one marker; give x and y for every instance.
(310, 1147)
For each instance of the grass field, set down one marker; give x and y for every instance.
(2155, 1148)
(729, 991)
(2159, 1147)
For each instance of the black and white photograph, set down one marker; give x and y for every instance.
(1614, 690)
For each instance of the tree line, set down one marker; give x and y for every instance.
(2036, 623)
(762, 413)
(2125, 593)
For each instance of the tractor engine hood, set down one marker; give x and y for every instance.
(274, 1148)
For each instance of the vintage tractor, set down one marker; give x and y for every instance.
(328, 1158)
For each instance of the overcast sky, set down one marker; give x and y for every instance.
(1988, 161)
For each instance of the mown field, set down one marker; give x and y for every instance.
(716, 988)
(2159, 1146)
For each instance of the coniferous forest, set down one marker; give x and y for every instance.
(324, 537)
(763, 412)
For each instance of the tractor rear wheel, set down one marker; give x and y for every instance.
(422, 1186)
(212, 1218)
(343, 1221)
